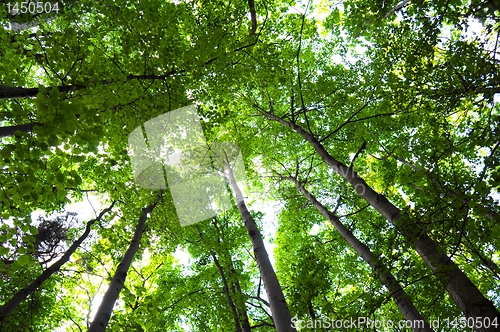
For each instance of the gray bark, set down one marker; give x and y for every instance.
(403, 301)
(105, 309)
(20, 296)
(279, 309)
(464, 293)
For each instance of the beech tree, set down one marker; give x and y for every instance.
(25, 292)
(279, 309)
(391, 106)
(404, 303)
(106, 307)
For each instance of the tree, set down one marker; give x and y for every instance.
(20, 296)
(399, 97)
(279, 309)
(465, 294)
(108, 302)
(402, 300)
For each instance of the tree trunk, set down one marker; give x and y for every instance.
(230, 301)
(13, 92)
(105, 309)
(281, 315)
(20, 296)
(239, 303)
(25, 128)
(463, 292)
(405, 305)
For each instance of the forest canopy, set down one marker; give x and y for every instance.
(359, 139)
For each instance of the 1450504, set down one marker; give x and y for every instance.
(28, 7)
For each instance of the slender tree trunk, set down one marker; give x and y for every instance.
(463, 292)
(403, 301)
(279, 309)
(239, 303)
(105, 309)
(229, 299)
(25, 128)
(231, 286)
(13, 92)
(21, 295)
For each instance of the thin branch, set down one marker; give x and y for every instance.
(363, 146)
(397, 7)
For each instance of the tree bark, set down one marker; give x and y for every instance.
(20, 296)
(229, 299)
(231, 286)
(239, 302)
(105, 309)
(464, 293)
(279, 310)
(403, 301)
(25, 128)
(13, 92)
(253, 17)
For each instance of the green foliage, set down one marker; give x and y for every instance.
(411, 84)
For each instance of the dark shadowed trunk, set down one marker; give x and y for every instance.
(231, 286)
(13, 92)
(25, 292)
(105, 309)
(25, 128)
(229, 292)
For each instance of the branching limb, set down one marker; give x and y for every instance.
(397, 7)
(363, 146)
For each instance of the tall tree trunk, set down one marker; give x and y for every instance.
(480, 209)
(227, 293)
(231, 287)
(239, 302)
(403, 301)
(463, 292)
(25, 128)
(105, 309)
(13, 92)
(279, 309)
(21, 295)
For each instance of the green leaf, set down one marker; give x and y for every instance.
(28, 239)
(44, 146)
(87, 136)
(33, 230)
(60, 177)
(23, 260)
(25, 187)
(4, 251)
